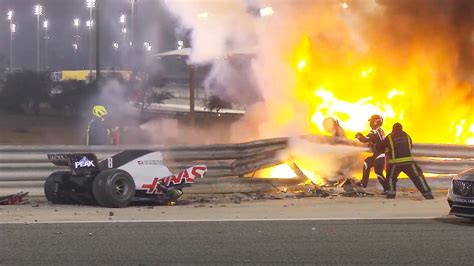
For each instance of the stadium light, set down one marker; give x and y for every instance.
(38, 10)
(10, 15)
(147, 46)
(90, 4)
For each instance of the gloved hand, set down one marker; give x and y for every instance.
(358, 135)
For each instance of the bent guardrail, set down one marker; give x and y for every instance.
(24, 166)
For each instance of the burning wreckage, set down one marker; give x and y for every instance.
(323, 166)
(350, 71)
(318, 189)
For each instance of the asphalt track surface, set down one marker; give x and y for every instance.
(405, 241)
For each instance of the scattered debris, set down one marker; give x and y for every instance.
(13, 198)
(351, 189)
(317, 191)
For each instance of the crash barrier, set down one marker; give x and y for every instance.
(27, 166)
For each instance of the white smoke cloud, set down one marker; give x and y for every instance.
(221, 28)
(328, 160)
(218, 27)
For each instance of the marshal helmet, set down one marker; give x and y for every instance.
(99, 111)
(376, 121)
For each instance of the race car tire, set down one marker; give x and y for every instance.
(113, 188)
(53, 188)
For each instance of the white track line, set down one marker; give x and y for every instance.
(229, 220)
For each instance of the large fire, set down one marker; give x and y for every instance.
(421, 93)
(409, 61)
(285, 171)
(351, 91)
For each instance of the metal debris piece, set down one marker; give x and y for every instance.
(318, 192)
(297, 170)
(13, 198)
(351, 189)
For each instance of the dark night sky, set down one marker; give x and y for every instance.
(154, 24)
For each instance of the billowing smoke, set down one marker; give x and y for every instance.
(428, 42)
(115, 97)
(328, 160)
(423, 47)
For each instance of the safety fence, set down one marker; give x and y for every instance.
(24, 167)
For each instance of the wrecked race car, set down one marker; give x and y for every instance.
(129, 176)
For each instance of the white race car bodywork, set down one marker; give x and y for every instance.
(130, 175)
(149, 169)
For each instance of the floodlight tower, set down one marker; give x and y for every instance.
(12, 32)
(46, 38)
(90, 4)
(38, 11)
(77, 23)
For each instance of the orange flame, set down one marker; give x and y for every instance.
(352, 94)
(285, 171)
(357, 88)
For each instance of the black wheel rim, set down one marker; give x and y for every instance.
(120, 187)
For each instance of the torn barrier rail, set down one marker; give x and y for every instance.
(25, 166)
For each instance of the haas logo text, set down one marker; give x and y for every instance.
(184, 177)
